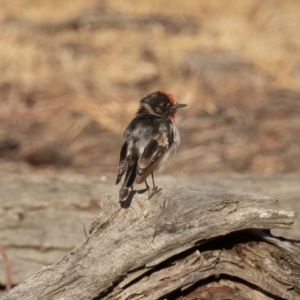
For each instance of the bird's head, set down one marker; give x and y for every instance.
(160, 103)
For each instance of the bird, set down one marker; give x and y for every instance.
(150, 142)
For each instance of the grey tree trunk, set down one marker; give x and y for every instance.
(208, 243)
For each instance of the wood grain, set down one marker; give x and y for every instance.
(144, 249)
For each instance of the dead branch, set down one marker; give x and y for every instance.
(7, 268)
(180, 240)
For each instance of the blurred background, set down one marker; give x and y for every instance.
(72, 73)
(71, 77)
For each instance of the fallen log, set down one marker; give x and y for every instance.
(179, 242)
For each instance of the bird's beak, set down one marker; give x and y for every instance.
(178, 105)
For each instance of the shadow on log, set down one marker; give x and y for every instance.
(182, 243)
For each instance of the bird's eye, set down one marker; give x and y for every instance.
(164, 103)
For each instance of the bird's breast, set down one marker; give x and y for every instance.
(169, 155)
(176, 134)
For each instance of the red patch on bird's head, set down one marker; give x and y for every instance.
(169, 96)
(172, 101)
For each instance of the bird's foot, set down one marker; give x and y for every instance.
(153, 192)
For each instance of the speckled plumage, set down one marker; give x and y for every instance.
(151, 141)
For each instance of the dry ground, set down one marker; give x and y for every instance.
(72, 73)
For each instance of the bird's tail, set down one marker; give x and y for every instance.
(128, 181)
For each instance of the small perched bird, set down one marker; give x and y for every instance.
(151, 141)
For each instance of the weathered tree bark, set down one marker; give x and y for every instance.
(35, 207)
(179, 240)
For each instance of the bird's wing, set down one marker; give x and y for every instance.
(152, 154)
(122, 162)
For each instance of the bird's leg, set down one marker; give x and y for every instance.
(150, 192)
(155, 189)
(147, 186)
(154, 186)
